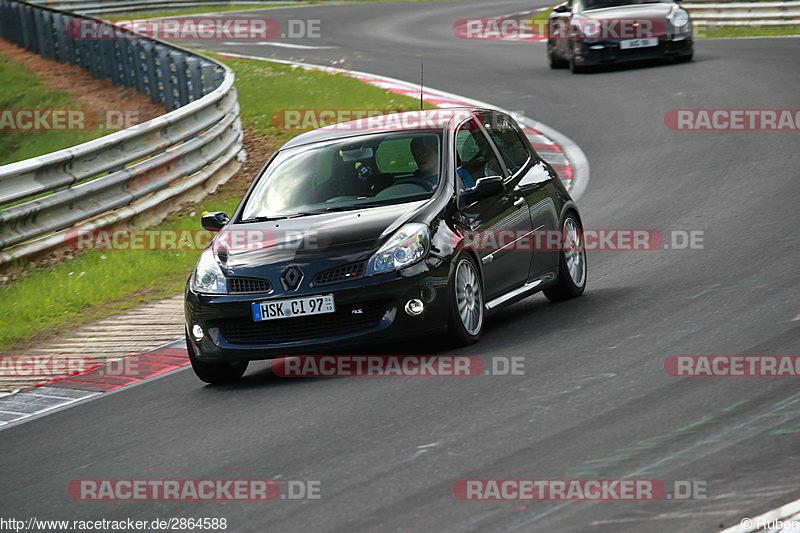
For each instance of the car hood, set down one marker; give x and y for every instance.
(317, 241)
(641, 11)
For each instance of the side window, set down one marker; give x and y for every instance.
(475, 158)
(512, 148)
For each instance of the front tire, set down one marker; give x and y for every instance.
(467, 308)
(555, 61)
(215, 373)
(571, 263)
(575, 68)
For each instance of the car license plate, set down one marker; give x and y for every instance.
(306, 306)
(638, 43)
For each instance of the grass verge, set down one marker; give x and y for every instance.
(49, 300)
(727, 32)
(159, 13)
(22, 88)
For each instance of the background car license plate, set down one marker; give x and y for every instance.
(638, 43)
(309, 305)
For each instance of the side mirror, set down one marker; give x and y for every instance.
(484, 188)
(214, 221)
(561, 8)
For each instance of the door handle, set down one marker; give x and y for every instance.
(519, 202)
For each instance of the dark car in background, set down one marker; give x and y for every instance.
(588, 33)
(360, 237)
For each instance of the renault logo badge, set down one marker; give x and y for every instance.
(291, 278)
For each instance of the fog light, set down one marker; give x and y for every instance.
(197, 331)
(414, 307)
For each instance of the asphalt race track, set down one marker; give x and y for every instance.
(595, 400)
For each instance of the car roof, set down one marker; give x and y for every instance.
(433, 119)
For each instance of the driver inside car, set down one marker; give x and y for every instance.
(425, 150)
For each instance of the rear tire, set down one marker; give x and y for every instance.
(215, 373)
(572, 270)
(467, 307)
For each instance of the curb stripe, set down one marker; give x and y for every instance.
(59, 393)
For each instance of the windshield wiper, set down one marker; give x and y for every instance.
(331, 209)
(270, 219)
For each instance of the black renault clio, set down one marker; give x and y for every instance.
(356, 232)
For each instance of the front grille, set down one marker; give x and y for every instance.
(343, 273)
(247, 285)
(343, 321)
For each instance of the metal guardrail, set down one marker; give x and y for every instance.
(120, 6)
(181, 154)
(744, 13)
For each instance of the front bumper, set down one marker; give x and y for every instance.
(367, 309)
(599, 52)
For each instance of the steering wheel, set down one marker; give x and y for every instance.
(425, 184)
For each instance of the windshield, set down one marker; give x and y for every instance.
(354, 173)
(585, 5)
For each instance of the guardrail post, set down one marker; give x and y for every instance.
(116, 60)
(60, 28)
(126, 61)
(84, 49)
(38, 32)
(47, 48)
(9, 21)
(106, 56)
(195, 77)
(29, 31)
(5, 19)
(219, 75)
(208, 77)
(152, 72)
(138, 66)
(180, 76)
(165, 71)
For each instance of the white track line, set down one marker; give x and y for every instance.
(784, 511)
(279, 45)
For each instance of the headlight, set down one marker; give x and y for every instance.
(208, 277)
(407, 246)
(679, 18)
(591, 28)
